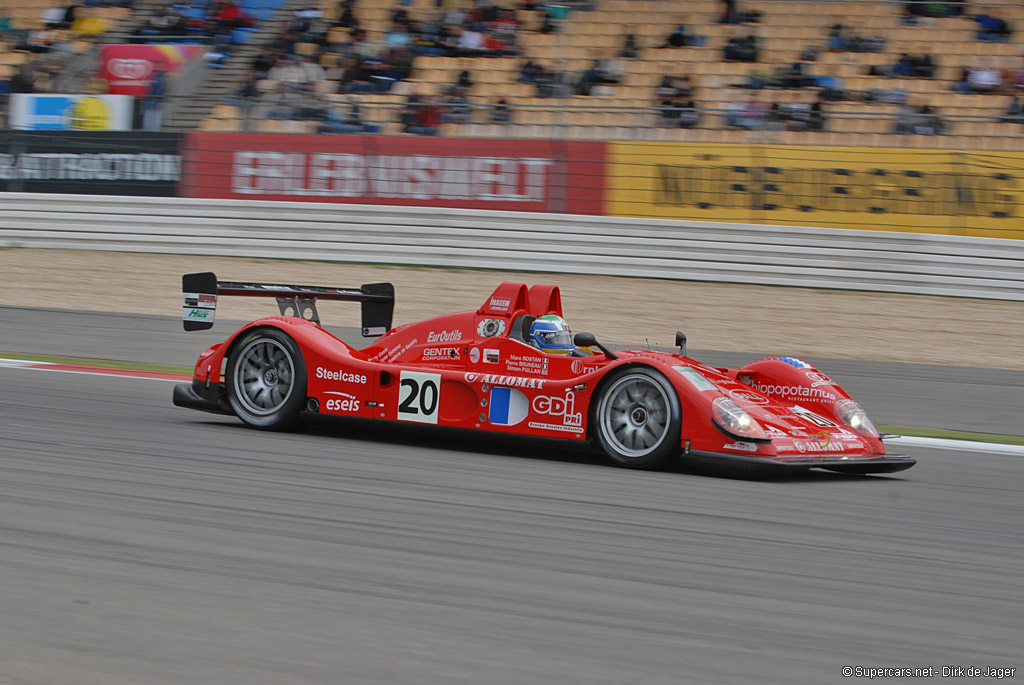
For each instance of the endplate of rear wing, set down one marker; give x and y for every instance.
(199, 293)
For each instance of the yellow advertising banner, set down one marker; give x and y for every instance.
(921, 191)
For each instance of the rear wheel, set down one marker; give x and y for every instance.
(637, 418)
(266, 379)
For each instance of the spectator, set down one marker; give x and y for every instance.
(962, 84)
(985, 79)
(690, 116)
(347, 20)
(674, 87)
(794, 76)
(741, 49)
(670, 111)
(837, 41)
(457, 108)
(465, 80)
(428, 120)
(676, 39)
(549, 25)
(549, 83)
(914, 66)
(530, 71)
(343, 119)
(832, 86)
(629, 47)
(992, 28)
(730, 15)
(501, 114)
(919, 120)
(471, 43)
(816, 117)
(409, 117)
(24, 81)
(1014, 112)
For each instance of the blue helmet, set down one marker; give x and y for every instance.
(551, 334)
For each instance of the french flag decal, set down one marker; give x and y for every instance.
(508, 406)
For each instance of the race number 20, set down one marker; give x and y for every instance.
(418, 396)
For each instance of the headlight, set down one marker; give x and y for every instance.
(735, 420)
(850, 413)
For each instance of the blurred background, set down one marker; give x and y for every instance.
(837, 179)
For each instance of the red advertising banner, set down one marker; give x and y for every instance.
(484, 173)
(130, 69)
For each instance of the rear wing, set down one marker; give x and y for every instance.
(199, 294)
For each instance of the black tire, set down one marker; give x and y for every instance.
(266, 379)
(636, 418)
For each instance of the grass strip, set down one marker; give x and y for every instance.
(103, 363)
(953, 435)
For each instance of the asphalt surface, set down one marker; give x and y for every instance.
(929, 396)
(142, 543)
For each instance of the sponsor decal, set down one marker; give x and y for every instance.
(800, 446)
(131, 69)
(774, 432)
(820, 446)
(554, 427)
(785, 448)
(491, 356)
(340, 375)
(576, 367)
(422, 177)
(797, 363)
(197, 314)
(444, 336)
(792, 391)
(419, 395)
(488, 328)
(500, 304)
(817, 378)
(474, 355)
(741, 446)
(508, 381)
(517, 363)
(814, 418)
(345, 402)
(744, 395)
(695, 378)
(559, 406)
(507, 406)
(441, 354)
(394, 353)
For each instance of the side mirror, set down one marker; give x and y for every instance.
(588, 340)
(584, 340)
(681, 342)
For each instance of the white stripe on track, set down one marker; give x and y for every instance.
(963, 445)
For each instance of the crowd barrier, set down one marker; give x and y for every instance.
(975, 194)
(561, 243)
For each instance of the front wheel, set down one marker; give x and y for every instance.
(637, 418)
(266, 379)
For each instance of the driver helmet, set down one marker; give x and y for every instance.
(551, 334)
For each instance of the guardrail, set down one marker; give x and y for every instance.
(729, 253)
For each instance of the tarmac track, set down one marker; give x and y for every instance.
(142, 543)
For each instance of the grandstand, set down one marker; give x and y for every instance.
(786, 32)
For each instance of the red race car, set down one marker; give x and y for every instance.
(512, 366)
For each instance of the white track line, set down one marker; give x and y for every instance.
(42, 366)
(962, 445)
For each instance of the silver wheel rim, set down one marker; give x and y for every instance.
(264, 376)
(634, 415)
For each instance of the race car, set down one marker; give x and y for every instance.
(512, 366)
